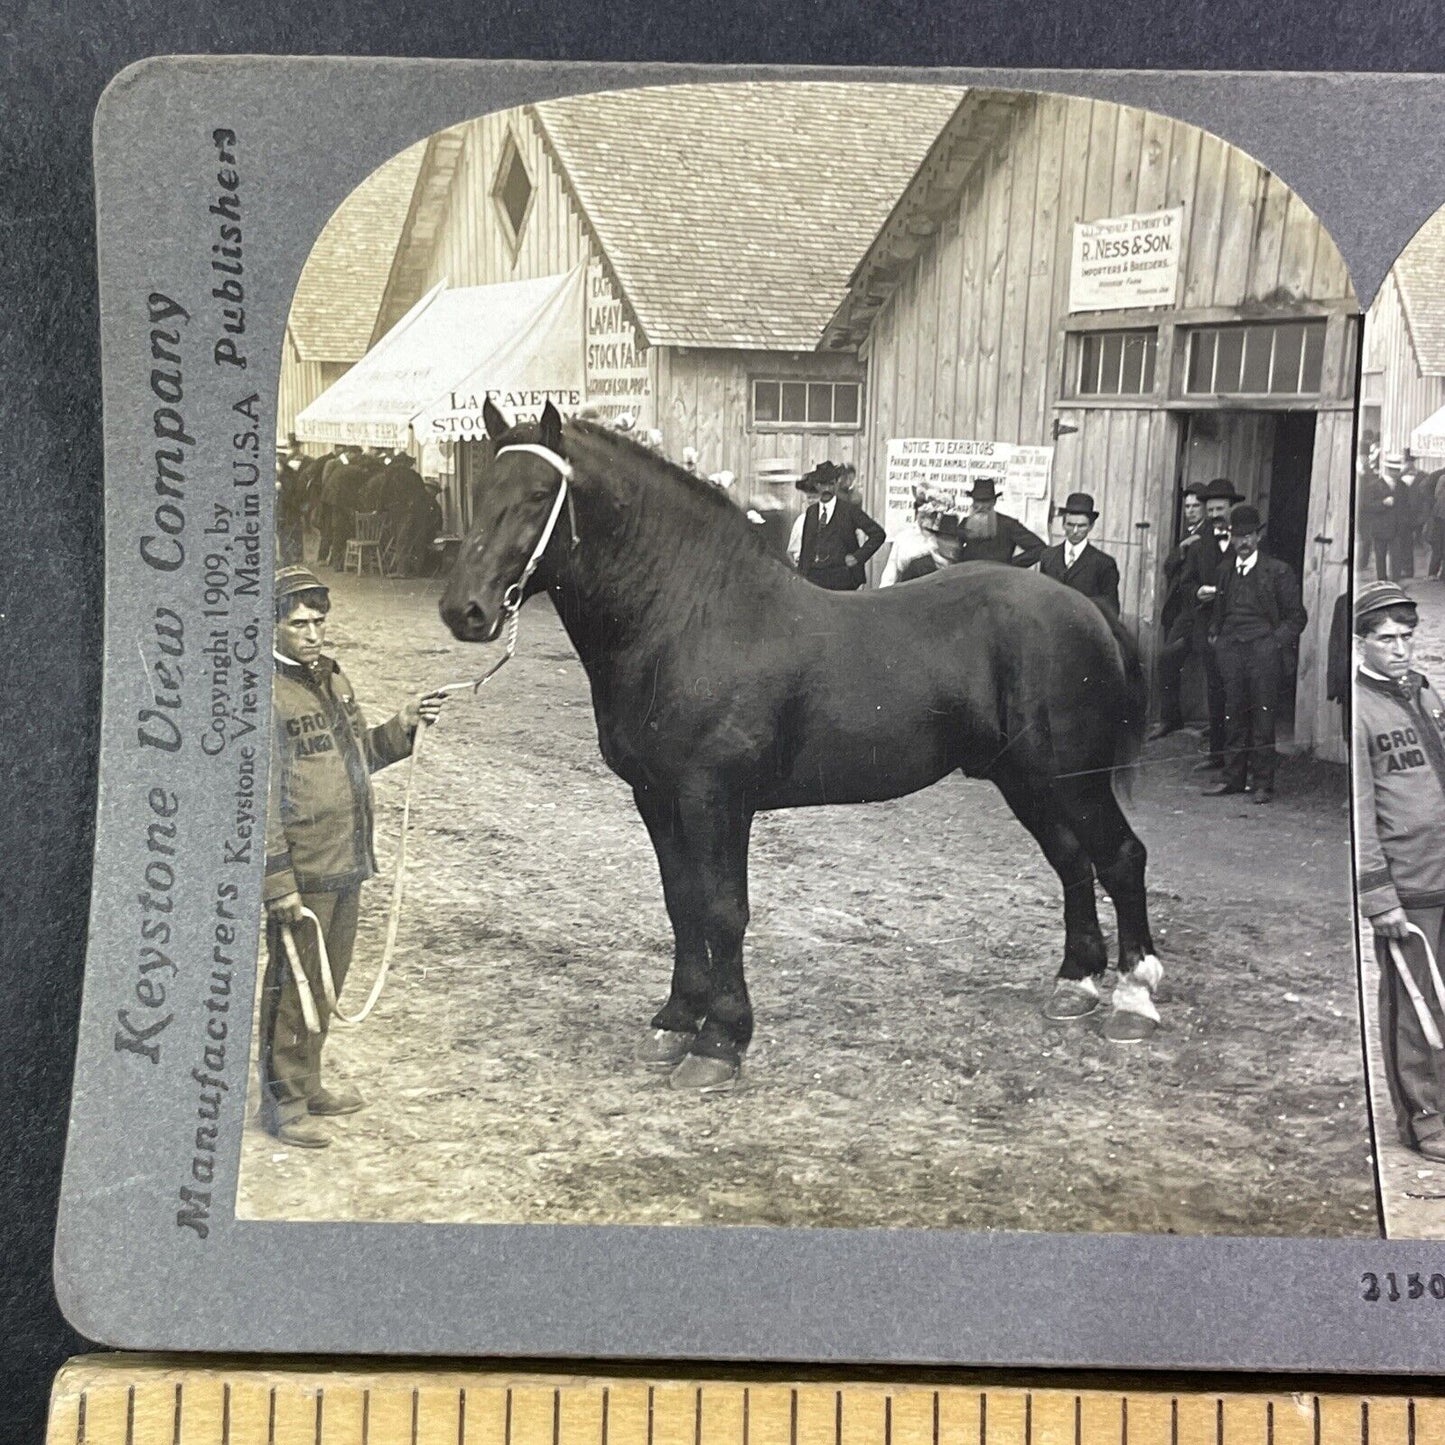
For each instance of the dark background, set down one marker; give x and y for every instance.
(54, 61)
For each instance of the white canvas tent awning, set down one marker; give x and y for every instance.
(1428, 439)
(520, 342)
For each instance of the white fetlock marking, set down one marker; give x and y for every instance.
(1148, 971)
(1089, 985)
(1134, 998)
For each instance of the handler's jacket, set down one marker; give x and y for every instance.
(1399, 788)
(320, 815)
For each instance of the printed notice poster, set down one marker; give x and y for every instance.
(1123, 262)
(949, 466)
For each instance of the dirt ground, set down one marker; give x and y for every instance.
(1412, 1189)
(902, 1074)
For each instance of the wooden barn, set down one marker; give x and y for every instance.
(717, 226)
(333, 313)
(1402, 379)
(1141, 298)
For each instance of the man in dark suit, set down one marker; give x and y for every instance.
(1199, 585)
(1257, 620)
(834, 538)
(1376, 523)
(1076, 562)
(988, 535)
(1176, 617)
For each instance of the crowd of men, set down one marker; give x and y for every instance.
(1231, 607)
(326, 495)
(1401, 510)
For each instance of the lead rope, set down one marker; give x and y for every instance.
(512, 606)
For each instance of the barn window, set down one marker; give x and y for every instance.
(512, 191)
(1117, 363)
(826, 405)
(1273, 358)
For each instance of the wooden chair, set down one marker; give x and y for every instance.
(365, 543)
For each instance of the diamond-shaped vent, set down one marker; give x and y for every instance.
(514, 188)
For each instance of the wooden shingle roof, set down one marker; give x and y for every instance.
(733, 215)
(1420, 275)
(341, 286)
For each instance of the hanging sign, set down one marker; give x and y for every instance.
(947, 467)
(1123, 262)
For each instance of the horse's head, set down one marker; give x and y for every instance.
(517, 498)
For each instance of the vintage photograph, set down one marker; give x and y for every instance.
(1395, 652)
(811, 679)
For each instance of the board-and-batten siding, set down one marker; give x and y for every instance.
(301, 383)
(472, 247)
(972, 341)
(703, 398)
(1392, 377)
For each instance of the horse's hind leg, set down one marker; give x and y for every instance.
(1076, 991)
(1119, 858)
(676, 1023)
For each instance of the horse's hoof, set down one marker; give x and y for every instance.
(1072, 998)
(1134, 1018)
(1123, 1027)
(663, 1048)
(699, 1075)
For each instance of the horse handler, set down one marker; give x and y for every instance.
(1399, 788)
(318, 849)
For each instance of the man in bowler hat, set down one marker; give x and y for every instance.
(834, 537)
(1199, 586)
(1076, 562)
(1257, 619)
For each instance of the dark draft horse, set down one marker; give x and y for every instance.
(723, 683)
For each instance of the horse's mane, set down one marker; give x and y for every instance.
(660, 474)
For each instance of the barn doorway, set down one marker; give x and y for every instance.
(1269, 456)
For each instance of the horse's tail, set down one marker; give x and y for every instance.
(1134, 712)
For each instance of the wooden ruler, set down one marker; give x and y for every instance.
(149, 1400)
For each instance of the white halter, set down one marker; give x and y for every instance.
(512, 598)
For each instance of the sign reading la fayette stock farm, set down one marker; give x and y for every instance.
(1122, 262)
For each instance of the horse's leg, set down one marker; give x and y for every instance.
(1119, 858)
(677, 1021)
(717, 841)
(1035, 805)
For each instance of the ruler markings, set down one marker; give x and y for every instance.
(177, 1405)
